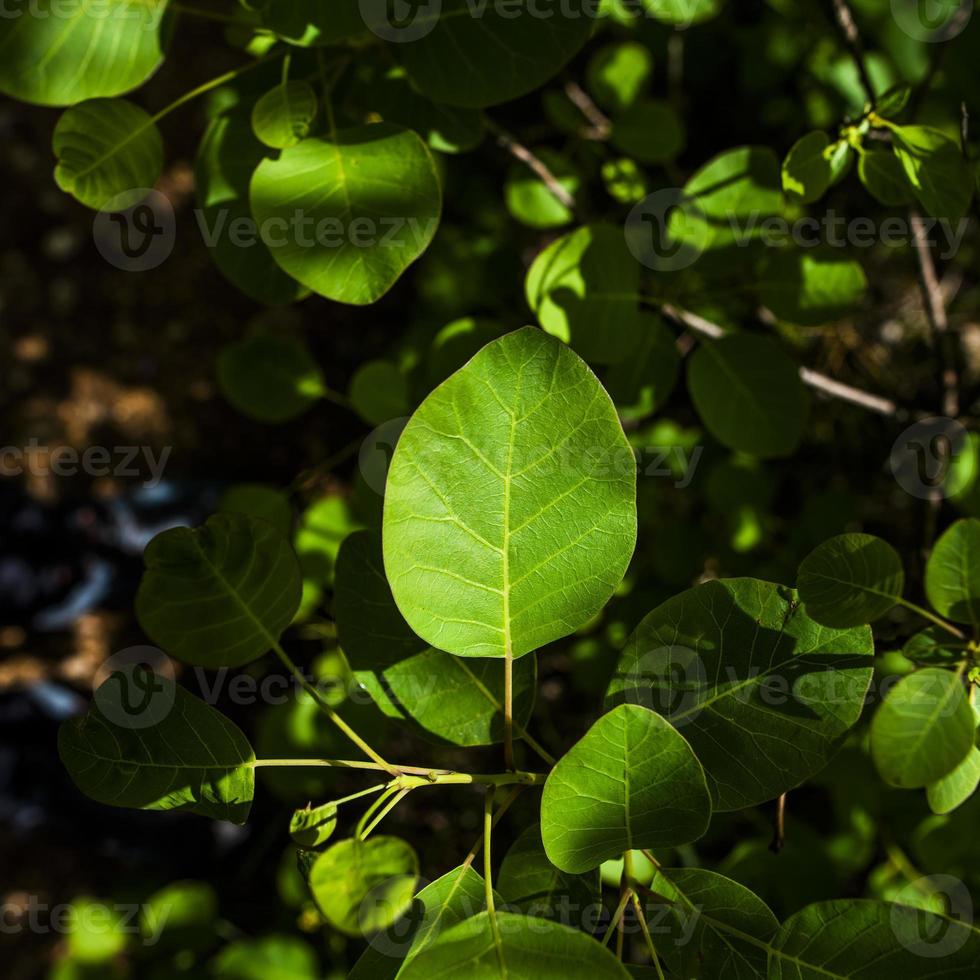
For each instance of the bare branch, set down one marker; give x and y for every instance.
(520, 152)
(848, 28)
(601, 124)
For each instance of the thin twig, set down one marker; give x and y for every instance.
(779, 825)
(852, 39)
(814, 379)
(520, 152)
(601, 124)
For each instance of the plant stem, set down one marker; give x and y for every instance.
(415, 777)
(509, 709)
(331, 714)
(363, 792)
(488, 876)
(617, 915)
(638, 907)
(372, 810)
(932, 617)
(384, 813)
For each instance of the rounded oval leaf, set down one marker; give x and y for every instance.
(923, 730)
(108, 150)
(806, 170)
(282, 117)
(362, 886)
(850, 580)
(510, 509)
(62, 53)
(221, 594)
(742, 672)
(883, 175)
(748, 393)
(953, 573)
(346, 216)
(955, 787)
(630, 782)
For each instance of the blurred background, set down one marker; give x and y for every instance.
(97, 357)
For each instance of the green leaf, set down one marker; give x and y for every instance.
(379, 392)
(227, 158)
(439, 906)
(618, 74)
(704, 930)
(109, 152)
(936, 169)
(259, 500)
(806, 171)
(953, 573)
(725, 203)
(148, 744)
(180, 916)
(313, 826)
(808, 287)
(59, 54)
(313, 22)
(519, 947)
(322, 529)
(363, 886)
(893, 101)
(955, 787)
(882, 174)
(510, 509)
(923, 730)
(282, 117)
(448, 697)
(742, 672)
(935, 646)
(346, 216)
(748, 393)
(221, 594)
(477, 57)
(531, 202)
(650, 131)
(530, 882)
(853, 938)
(273, 957)
(683, 13)
(583, 290)
(850, 580)
(630, 782)
(270, 379)
(643, 381)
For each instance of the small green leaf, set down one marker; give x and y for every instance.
(935, 647)
(924, 729)
(531, 883)
(270, 379)
(806, 171)
(313, 826)
(893, 101)
(148, 744)
(630, 782)
(650, 131)
(221, 594)
(743, 673)
(850, 580)
(683, 13)
(509, 519)
(583, 290)
(810, 286)
(180, 916)
(363, 886)
(643, 381)
(748, 393)
(953, 573)
(519, 947)
(379, 392)
(259, 500)
(273, 957)
(346, 216)
(840, 155)
(882, 174)
(282, 117)
(109, 152)
(618, 74)
(935, 167)
(955, 787)
(531, 202)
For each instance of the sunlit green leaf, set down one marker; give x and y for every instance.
(953, 573)
(936, 169)
(957, 786)
(282, 117)
(806, 170)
